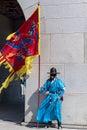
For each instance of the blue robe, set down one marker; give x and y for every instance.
(50, 108)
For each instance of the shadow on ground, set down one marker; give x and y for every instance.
(13, 112)
(39, 125)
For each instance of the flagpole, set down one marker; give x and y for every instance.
(38, 80)
(38, 57)
(38, 84)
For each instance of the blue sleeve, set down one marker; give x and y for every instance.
(44, 88)
(62, 88)
(61, 92)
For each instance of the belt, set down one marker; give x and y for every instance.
(54, 92)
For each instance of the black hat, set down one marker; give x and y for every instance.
(53, 71)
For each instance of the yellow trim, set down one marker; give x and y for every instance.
(6, 82)
(0, 54)
(10, 36)
(39, 28)
(27, 67)
(2, 62)
(8, 66)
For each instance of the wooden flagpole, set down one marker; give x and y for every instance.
(38, 57)
(38, 80)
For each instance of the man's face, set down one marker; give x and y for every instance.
(52, 76)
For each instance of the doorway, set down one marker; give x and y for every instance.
(12, 102)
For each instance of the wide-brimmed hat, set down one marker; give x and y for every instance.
(53, 70)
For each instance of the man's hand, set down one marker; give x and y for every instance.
(47, 92)
(58, 98)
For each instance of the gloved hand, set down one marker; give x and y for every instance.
(58, 97)
(47, 92)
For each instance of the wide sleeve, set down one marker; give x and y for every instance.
(62, 88)
(44, 88)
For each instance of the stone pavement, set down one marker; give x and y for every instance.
(11, 116)
(7, 125)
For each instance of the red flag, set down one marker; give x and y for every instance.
(21, 48)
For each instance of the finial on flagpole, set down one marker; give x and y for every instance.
(38, 3)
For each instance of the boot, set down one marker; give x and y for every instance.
(49, 124)
(59, 125)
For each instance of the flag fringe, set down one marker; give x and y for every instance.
(8, 66)
(10, 36)
(25, 69)
(6, 83)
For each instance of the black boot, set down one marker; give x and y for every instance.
(49, 124)
(59, 125)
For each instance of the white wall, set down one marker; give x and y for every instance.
(63, 45)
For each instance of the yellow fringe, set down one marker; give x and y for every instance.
(6, 83)
(0, 54)
(10, 36)
(2, 62)
(8, 66)
(25, 69)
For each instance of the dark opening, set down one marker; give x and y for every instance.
(12, 102)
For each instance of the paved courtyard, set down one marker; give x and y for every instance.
(7, 125)
(11, 116)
